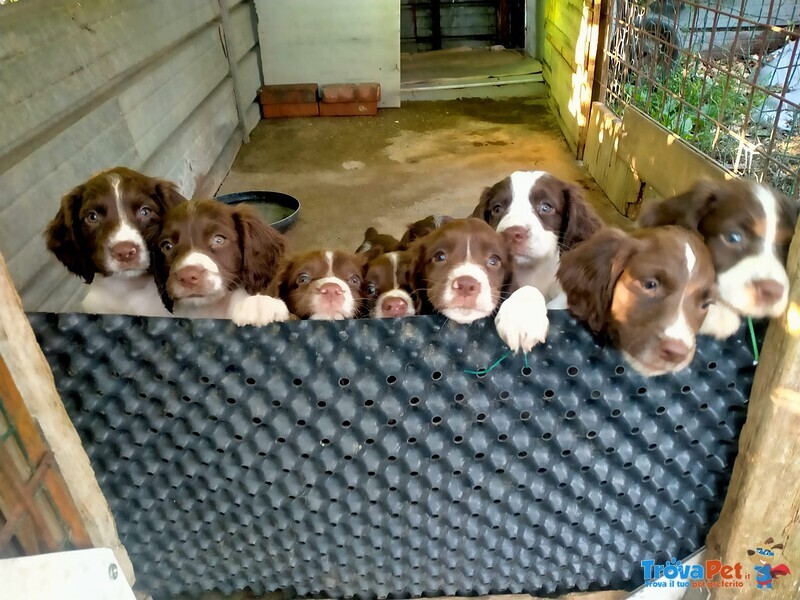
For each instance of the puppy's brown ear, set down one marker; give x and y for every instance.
(166, 194)
(579, 221)
(279, 286)
(63, 236)
(417, 283)
(160, 275)
(589, 273)
(685, 210)
(261, 246)
(482, 210)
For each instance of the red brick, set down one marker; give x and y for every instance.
(348, 109)
(295, 93)
(350, 92)
(274, 111)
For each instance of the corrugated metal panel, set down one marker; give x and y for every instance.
(86, 86)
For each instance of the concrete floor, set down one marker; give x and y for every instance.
(387, 171)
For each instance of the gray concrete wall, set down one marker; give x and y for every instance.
(332, 41)
(93, 84)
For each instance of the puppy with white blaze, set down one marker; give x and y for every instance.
(215, 261)
(747, 228)
(322, 284)
(540, 217)
(104, 232)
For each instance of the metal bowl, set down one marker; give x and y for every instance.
(278, 209)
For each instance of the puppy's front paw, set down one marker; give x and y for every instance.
(522, 319)
(258, 310)
(721, 322)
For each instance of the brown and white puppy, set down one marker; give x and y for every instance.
(421, 228)
(747, 227)
(460, 270)
(541, 216)
(104, 233)
(649, 291)
(215, 260)
(379, 242)
(388, 286)
(322, 284)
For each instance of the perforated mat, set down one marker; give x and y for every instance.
(359, 459)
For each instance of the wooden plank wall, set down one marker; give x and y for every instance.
(570, 42)
(93, 84)
(634, 160)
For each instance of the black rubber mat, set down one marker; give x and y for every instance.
(359, 459)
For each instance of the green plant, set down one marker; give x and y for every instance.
(690, 102)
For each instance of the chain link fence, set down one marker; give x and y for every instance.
(722, 75)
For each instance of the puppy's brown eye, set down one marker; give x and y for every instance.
(496, 209)
(650, 284)
(493, 261)
(303, 278)
(371, 288)
(355, 280)
(440, 257)
(166, 246)
(92, 217)
(218, 240)
(544, 207)
(145, 211)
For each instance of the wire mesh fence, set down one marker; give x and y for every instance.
(723, 75)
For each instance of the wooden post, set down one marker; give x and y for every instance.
(34, 383)
(763, 499)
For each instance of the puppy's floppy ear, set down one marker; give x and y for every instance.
(417, 283)
(482, 210)
(63, 236)
(261, 246)
(279, 286)
(685, 210)
(166, 194)
(160, 275)
(589, 273)
(579, 221)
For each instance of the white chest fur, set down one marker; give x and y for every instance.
(540, 274)
(118, 295)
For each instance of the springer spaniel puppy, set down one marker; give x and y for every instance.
(379, 242)
(388, 287)
(386, 243)
(104, 232)
(649, 291)
(460, 270)
(322, 284)
(215, 260)
(541, 216)
(421, 228)
(747, 227)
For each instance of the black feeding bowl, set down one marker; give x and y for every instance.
(278, 209)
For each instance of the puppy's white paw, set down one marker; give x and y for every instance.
(522, 319)
(258, 310)
(721, 322)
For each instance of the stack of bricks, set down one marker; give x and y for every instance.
(300, 100)
(349, 99)
(293, 100)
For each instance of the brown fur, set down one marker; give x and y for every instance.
(81, 246)
(248, 258)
